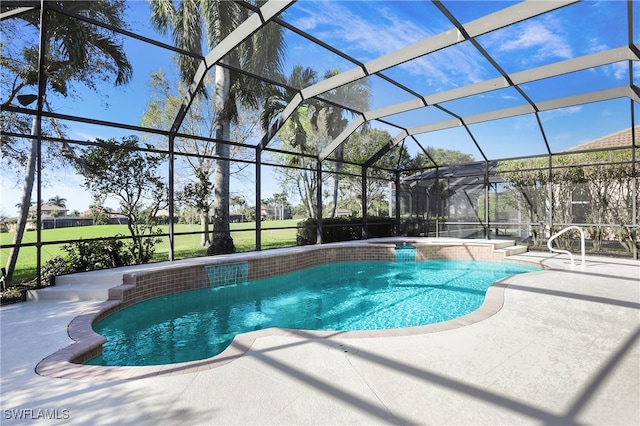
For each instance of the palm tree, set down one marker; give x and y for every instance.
(58, 201)
(262, 53)
(75, 51)
(355, 95)
(275, 103)
(278, 97)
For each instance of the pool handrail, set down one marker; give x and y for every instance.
(557, 234)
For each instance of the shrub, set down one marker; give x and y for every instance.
(12, 294)
(344, 229)
(54, 267)
(85, 256)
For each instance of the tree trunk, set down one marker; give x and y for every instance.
(336, 182)
(204, 227)
(310, 191)
(222, 242)
(26, 203)
(336, 179)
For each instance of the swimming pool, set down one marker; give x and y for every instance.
(366, 295)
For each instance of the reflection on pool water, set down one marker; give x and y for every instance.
(345, 296)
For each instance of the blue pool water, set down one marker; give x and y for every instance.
(201, 323)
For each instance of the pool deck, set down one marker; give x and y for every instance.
(563, 349)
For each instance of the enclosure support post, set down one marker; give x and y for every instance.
(634, 187)
(397, 201)
(42, 83)
(486, 201)
(319, 202)
(550, 196)
(438, 192)
(495, 207)
(364, 203)
(258, 214)
(171, 199)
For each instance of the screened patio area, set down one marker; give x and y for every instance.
(491, 119)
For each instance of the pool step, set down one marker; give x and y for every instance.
(501, 244)
(93, 285)
(96, 291)
(512, 250)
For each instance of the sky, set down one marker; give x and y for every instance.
(368, 30)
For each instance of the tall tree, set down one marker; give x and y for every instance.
(189, 24)
(277, 100)
(199, 165)
(75, 52)
(300, 172)
(356, 95)
(124, 172)
(359, 148)
(442, 156)
(58, 201)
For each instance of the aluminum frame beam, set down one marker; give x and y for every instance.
(625, 53)
(558, 68)
(480, 26)
(15, 12)
(620, 54)
(591, 97)
(256, 21)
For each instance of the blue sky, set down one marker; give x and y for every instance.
(368, 30)
(375, 28)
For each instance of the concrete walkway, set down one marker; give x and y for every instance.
(564, 349)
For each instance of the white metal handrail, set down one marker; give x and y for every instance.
(556, 235)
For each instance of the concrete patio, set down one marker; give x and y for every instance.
(564, 349)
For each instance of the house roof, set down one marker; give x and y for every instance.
(622, 138)
(48, 207)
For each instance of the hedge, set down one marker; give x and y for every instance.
(344, 229)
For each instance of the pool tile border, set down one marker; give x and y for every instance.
(68, 362)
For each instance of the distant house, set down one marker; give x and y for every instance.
(47, 211)
(343, 213)
(620, 139)
(118, 219)
(581, 201)
(162, 217)
(53, 216)
(277, 213)
(114, 218)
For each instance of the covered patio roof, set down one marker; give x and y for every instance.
(443, 73)
(527, 99)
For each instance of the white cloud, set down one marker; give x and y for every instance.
(372, 35)
(307, 23)
(561, 112)
(619, 70)
(539, 36)
(338, 24)
(526, 123)
(594, 45)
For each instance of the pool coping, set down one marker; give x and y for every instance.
(87, 343)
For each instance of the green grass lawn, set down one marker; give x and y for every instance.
(185, 246)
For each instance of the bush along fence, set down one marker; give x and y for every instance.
(344, 229)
